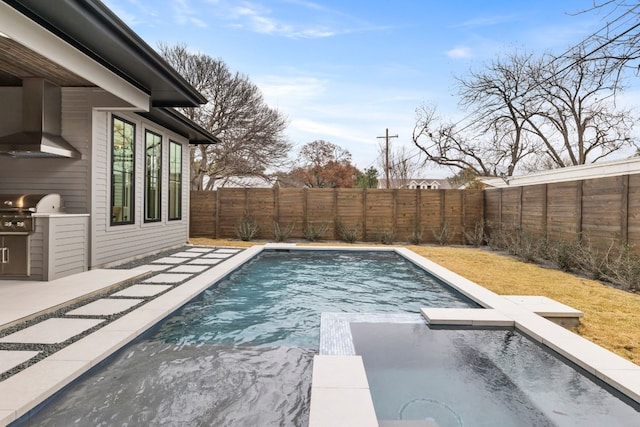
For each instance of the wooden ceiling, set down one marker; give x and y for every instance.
(18, 62)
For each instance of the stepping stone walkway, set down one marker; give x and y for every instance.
(27, 343)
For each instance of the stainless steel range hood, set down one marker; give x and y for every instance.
(41, 124)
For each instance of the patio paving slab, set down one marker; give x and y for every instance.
(105, 307)
(168, 260)
(142, 290)
(205, 261)
(228, 251)
(51, 331)
(21, 300)
(185, 254)
(167, 278)
(201, 250)
(10, 358)
(188, 269)
(155, 267)
(217, 255)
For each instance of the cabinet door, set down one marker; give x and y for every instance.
(16, 255)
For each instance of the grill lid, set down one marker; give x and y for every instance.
(31, 203)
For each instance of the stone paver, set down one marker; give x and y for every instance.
(228, 251)
(167, 278)
(168, 260)
(217, 255)
(10, 359)
(155, 267)
(51, 331)
(205, 261)
(201, 250)
(188, 269)
(185, 254)
(105, 307)
(142, 290)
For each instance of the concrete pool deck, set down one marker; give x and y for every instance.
(40, 306)
(110, 308)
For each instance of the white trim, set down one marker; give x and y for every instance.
(570, 173)
(31, 35)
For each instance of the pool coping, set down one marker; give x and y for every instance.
(29, 388)
(24, 391)
(620, 373)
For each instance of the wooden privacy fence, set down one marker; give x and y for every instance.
(216, 214)
(599, 209)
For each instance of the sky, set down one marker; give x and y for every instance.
(344, 71)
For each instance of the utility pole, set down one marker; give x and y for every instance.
(386, 154)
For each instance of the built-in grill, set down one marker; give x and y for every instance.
(16, 223)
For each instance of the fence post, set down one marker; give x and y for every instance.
(545, 208)
(276, 204)
(364, 214)
(305, 213)
(336, 235)
(217, 228)
(580, 190)
(624, 211)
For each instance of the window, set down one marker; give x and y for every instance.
(123, 142)
(152, 177)
(175, 180)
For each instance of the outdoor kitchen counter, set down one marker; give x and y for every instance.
(59, 245)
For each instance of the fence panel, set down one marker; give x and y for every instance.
(202, 215)
(373, 211)
(601, 210)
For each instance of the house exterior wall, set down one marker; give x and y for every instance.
(84, 184)
(114, 243)
(68, 177)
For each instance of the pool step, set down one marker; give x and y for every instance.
(548, 308)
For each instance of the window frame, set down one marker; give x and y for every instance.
(132, 187)
(158, 206)
(177, 198)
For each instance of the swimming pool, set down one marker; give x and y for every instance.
(241, 353)
(480, 377)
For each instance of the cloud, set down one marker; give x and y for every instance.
(459, 52)
(184, 14)
(486, 21)
(290, 88)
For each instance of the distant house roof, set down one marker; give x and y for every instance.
(571, 173)
(242, 182)
(423, 183)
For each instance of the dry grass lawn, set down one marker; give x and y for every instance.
(611, 316)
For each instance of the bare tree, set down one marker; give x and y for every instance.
(402, 165)
(528, 112)
(251, 133)
(617, 41)
(572, 111)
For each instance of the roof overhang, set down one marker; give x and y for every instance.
(571, 173)
(86, 37)
(178, 123)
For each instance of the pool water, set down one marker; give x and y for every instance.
(480, 377)
(241, 354)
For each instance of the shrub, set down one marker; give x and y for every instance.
(563, 255)
(444, 235)
(476, 237)
(415, 237)
(623, 268)
(247, 228)
(347, 233)
(280, 234)
(314, 231)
